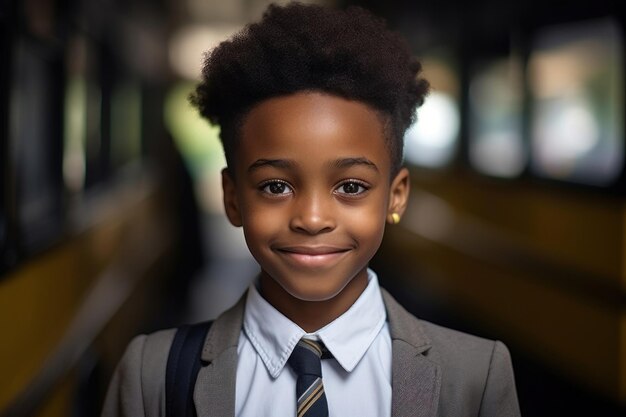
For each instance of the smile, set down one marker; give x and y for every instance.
(312, 257)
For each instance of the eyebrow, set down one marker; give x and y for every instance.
(350, 162)
(340, 163)
(276, 163)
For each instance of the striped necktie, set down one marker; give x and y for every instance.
(305, 361)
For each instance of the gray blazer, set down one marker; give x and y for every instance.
(435, 372)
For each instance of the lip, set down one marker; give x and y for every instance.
(312, 256)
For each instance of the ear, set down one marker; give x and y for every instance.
(231, 203)
(398, 195)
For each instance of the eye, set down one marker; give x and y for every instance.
(276, 187)
(352, 188)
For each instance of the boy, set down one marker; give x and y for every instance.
(313, 104)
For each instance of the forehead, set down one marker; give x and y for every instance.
(312, 127)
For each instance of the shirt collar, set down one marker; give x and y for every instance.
(348, 337)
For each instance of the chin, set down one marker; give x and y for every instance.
(316, 294)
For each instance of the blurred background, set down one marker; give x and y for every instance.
(110, 201)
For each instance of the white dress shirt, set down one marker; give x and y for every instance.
(357, 381)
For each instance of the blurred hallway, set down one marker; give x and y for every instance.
(227, 274)
(110, 190)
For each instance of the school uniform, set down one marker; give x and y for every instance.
(434, 371)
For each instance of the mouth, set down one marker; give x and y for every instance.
(312, 256)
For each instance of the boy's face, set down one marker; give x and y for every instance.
(312, 190)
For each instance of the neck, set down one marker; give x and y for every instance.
(312, 315)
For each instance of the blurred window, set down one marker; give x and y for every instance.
(199, 144)
(92, 107)
(103, 114)
(82, 113)
(496, 146)
(35, 140)
(433, 140)
(125, 123)
(5, 45)
(576, 76)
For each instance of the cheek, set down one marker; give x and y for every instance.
(261, 223)
(367, 224)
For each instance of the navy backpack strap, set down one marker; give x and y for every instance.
(183, 365)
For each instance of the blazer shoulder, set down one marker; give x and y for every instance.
(155, 353)
(137, 387)
(453, 341)
(477, 372)
(425, 335)
(461, 352)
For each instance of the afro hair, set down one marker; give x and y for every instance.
(348, 53)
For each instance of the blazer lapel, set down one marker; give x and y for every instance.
(214, 394)
(416, 380)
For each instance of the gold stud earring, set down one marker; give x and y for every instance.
(395, 218)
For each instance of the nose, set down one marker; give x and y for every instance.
(313, 214)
